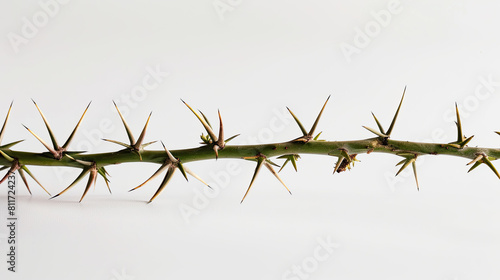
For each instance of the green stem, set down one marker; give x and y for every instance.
(332, 148)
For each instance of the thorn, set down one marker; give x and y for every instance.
(104, 174)
(160, 170)
(13, 168)
(378, 124)
(82, 174)
(221, 141)
(375, 132)
(231, 138)
(389, 131)
(82, 162)
(52, 151)
(311, 131)
(491, 166)
(302, 129)
(317, 136)
(276, 175)
(290, 158)
(203, 122)
(7, 146)
(216, 150)
(337, 165)
(2, 131)
(92, 179)
(118, 142)
(127, 128)
(205, 118)
(181, 168)
(170, 156)
(345, 154)
(66, 144)
(406, 163)
(188, 171)
(460, 136)
(260, 160)
(23, 177)
(6, 156)
(476, 164)
(137, 146)
(476, 159)
(51, 134)
(165, 181)
(414, 166)
(25, 168)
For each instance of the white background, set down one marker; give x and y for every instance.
(250, 59)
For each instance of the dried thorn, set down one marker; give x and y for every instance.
(82, 174)
(104, 175)
(221, 141)
(148, 143)
(52, 151)
(389, 131)
(13, 168)
(92, 179)
(276, 175)
(375, 132)
(25, 168)
(82, 162)
(127, 128)
(253, 157)
(66, 144)
(216, 150)
(205, 118)
(160, 170)
(51, 134)
(203, 122)
(165, 181)
(452, 145)
(260, 161)
(2, 131)
(118, 142)
(339, 162)
(170, 156)
(138, 145)
(188, 171)
(476, 159)
(23, 177)
(406, 155)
